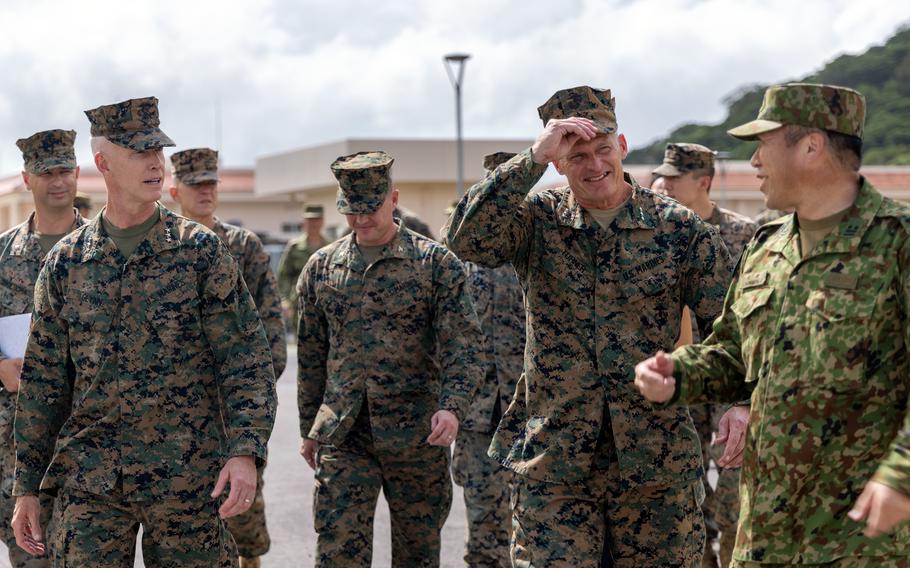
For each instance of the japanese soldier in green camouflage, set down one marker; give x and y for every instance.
(606, 267)
(687, 171)
(148, 383)
(195, 189)
(499, 302)
(815, 330)
(50, 173)
(295, 256)
(389, 355)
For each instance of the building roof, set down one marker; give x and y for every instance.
(416, 161)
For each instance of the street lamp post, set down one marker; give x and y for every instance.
(457, 59)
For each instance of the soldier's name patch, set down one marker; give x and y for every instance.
(841, 281)
(755, 279)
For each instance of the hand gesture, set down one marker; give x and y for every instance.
(557, 138)
(654, 378)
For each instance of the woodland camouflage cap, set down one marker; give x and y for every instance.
(828, 107)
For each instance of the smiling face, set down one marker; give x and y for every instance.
(778, 169)
(197, 201)
(53, 190)
(594, 169)
(132, 176)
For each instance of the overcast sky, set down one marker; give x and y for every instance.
(292, 73)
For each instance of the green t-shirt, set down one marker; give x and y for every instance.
(813, 232)
(605, 216)
(47, 242)
(370, 254)
(129, 238)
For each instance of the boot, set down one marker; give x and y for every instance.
(250, 562)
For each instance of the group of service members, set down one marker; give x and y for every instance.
(539, 351)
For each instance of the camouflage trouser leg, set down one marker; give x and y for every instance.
(593, 522)
(95, 531)
(726, 511)
(855, 562)
(249, 529)
(416, 485)
(19, 558)
(702, 416)
(486, 499)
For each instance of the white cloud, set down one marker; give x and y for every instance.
(288, 73)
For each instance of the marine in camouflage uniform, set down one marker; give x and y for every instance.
(815, 329)
(389, 355)
(601, 475)
(195, 174)
(688, 170)
(411, 221)
(49, 163)
(499, 301)
(146, 374)
(295, 256)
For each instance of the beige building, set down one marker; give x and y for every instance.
(424, 173)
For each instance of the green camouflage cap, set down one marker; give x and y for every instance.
(313, 211)
(82, 200)
(490, 161)
(595, 104)
(49, 149)
(363, 182)
(682, 158)
(828, 107)
(197, 165)
(132, 124)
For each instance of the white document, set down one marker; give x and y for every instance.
(14, 335)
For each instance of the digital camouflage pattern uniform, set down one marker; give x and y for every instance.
(200, 165)
(600, 472)
(21, 258)
(721, 506)
(293, 259)
(499, 301)
(820, 344)
(142, 377)
(381, 349)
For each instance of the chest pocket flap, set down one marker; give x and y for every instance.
(751, 300)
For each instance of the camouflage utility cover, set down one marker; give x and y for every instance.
(141, 378)
(820, 344)
(400, 334)
(828, 107)
(48, 150)
(598, 302)
(490, 161)
(682, 158)
(132, 124)
(198, 165)
(595, 104)
(363, 182)
(253, 261)
(313, 211)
